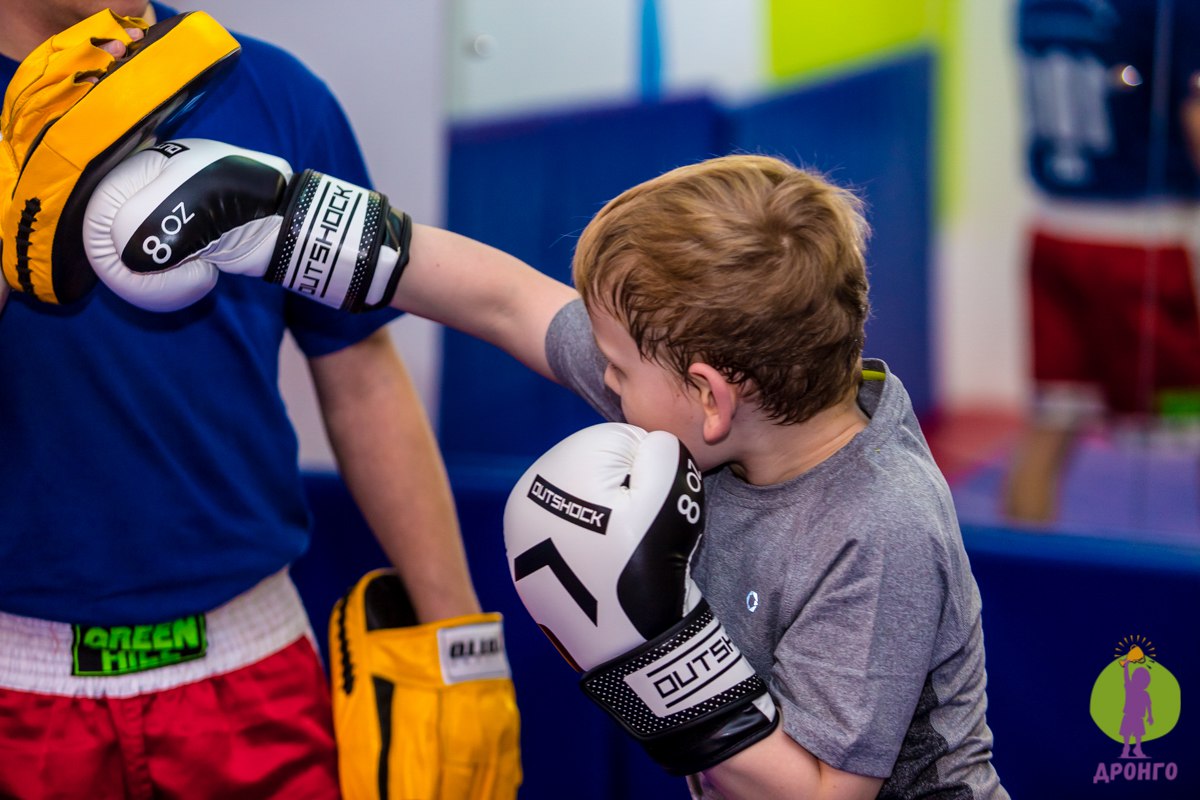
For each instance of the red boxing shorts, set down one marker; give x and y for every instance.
(1113, 302)
(194, 728)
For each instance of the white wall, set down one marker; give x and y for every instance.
(520, 56)
(980, 316)
(385, 61)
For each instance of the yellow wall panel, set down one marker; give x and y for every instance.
(816, 36)
(812, 39)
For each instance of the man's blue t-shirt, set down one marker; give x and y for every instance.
(148, 468)
(1103, 85)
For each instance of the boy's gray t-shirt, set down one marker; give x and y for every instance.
(848, 589)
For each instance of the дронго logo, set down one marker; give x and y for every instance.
(1135, 700)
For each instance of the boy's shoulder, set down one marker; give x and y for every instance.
(884, 487)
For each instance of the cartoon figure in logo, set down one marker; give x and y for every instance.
(1120, 702)
(1137, 711)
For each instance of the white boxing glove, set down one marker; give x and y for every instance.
(599, 533)
(163, 224)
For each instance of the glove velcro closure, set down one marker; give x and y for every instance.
(423, 711)
(689, 697)
(162, 77)
(334, 238)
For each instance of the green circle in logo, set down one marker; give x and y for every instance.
(1108, 700)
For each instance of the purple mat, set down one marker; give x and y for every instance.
(1121, 487)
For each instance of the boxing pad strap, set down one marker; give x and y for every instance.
(689, 696)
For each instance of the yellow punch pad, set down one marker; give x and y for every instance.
(420, 712)
(61, 132)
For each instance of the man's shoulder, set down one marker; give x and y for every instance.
(260, 55)
(274, 59)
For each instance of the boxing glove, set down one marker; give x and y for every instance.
(599, 533)
(164, 223)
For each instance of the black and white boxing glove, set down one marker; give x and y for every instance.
(164, 223)
(599, 533)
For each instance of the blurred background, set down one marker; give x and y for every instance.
(985, 136)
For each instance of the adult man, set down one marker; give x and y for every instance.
(1109, 90)
(151, 494)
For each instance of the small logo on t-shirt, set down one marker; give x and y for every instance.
(752, 601)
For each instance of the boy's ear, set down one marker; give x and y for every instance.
(718, 401)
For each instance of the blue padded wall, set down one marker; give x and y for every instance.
(1055, 608)
(871, 132)
(529, 188)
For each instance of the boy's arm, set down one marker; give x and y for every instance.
(481, 291)
(778, 767)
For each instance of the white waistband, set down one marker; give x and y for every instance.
(1147, 223)
(36, 655)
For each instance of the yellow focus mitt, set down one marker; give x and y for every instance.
(420, 712)
(60, 133)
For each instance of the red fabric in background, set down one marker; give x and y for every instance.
(1095, 322)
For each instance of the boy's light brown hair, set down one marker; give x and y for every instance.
(745, 263)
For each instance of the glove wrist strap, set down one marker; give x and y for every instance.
(396, 236)
(689, 696)
(331, 241)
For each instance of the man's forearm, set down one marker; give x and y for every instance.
(389, 459)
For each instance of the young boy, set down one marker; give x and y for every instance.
(725, 302)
